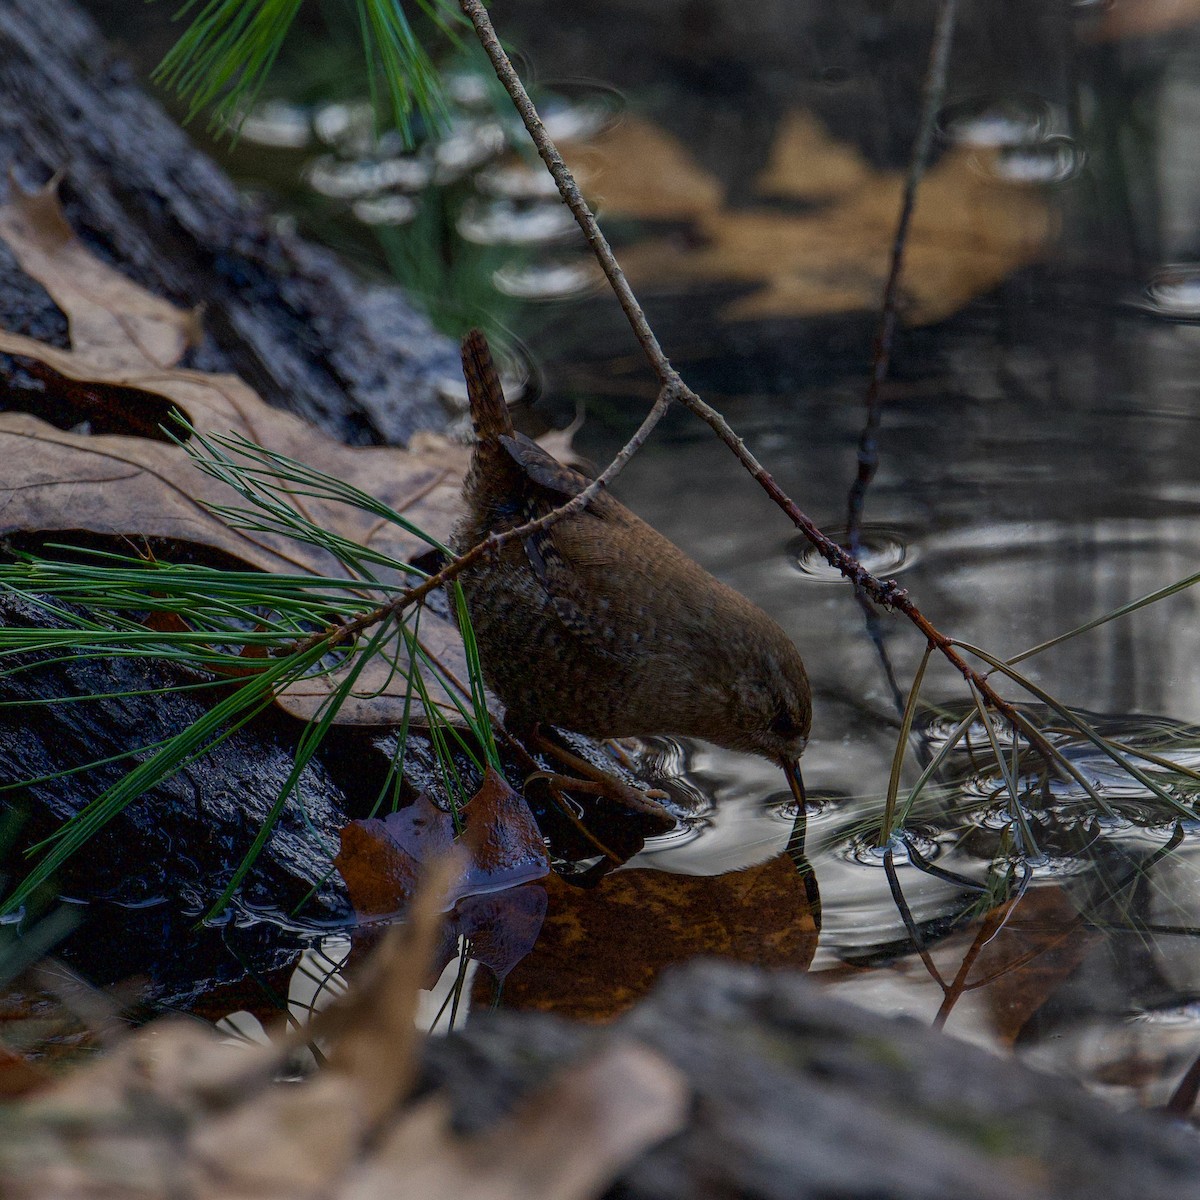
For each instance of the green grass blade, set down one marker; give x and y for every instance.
(886, 825)
(1125, 609)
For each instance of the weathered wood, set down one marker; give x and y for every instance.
(286, 315)
(183, 837)
(290, 318)
(798, 1096)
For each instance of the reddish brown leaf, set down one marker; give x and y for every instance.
(380, 858)
(505, 842)
(602, 949)
(1040, 946)
(380, 875)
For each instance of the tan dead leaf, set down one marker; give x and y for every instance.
(567, 1142)
(602, 948)
(175, 1110)
(560, 444)
(299, 1141)
(970, 229)
(807, 164)
(141, 331)
(122, 486)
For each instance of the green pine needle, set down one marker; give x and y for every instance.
(100, 602)
(223, 58)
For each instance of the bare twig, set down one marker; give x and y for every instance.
(336, 635)
(881, 355)
(881, 358)
(885, 592)
(990, 928)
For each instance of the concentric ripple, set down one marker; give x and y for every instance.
(884, 550)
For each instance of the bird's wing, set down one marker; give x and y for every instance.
(557, 553)
(543, 469)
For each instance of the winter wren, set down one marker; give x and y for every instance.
(602, 626)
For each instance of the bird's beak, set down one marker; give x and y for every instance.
(791, 770)
(795, 847)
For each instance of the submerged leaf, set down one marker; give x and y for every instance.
(971, 228)
(601, 949)
(1042, 944)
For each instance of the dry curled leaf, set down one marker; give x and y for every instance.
(175, 1110)
(495, 906)
(141, 330)
(567, 1142)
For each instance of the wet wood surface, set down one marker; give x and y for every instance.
(799, 1096)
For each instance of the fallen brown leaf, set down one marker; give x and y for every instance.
(568, 1142)
(123, 486)
(174, 1110)
(142, 331)
(501, 852)
(380, 858)
(601, 949)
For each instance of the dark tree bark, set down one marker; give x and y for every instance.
(287, 316)
(294, 322)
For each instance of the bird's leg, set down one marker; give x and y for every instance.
(615, 747)
(587, 777)
(564, 805)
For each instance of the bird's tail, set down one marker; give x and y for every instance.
(489, 410)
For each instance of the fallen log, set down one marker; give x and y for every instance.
(800, 1096)
(284, 314)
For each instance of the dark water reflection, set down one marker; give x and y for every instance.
(1038, 465)
(1038, 469)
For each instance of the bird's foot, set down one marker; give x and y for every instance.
(623, 794)
(595, 780)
